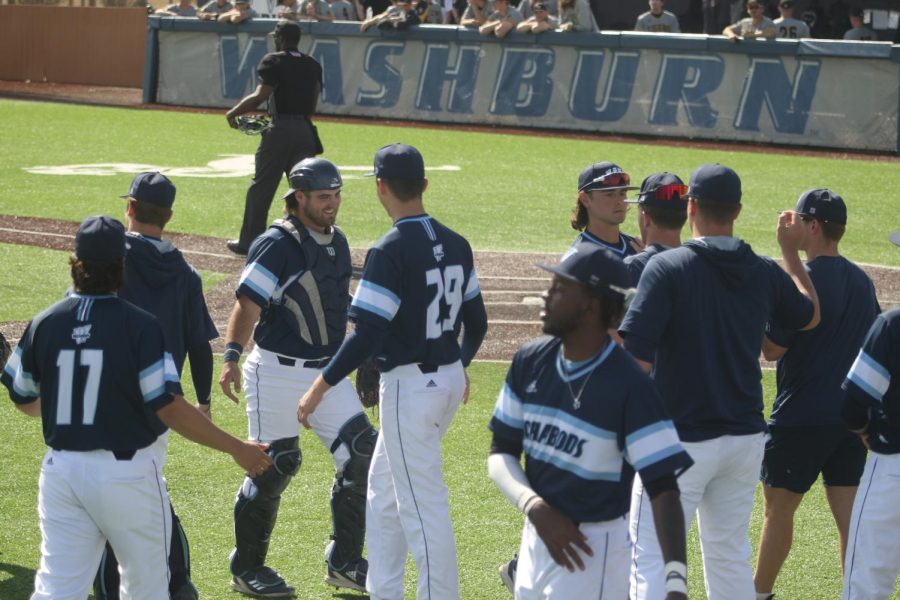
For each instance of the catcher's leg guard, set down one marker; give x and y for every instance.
(348, 495)
(257, 503)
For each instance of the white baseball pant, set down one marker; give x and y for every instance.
(408, 504)
(605, 576)
(86, 498)
(872, 563)
(273, 390)
(719, 488)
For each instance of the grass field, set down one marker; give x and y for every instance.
(511, 193)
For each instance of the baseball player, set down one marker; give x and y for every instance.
(293, 81)
(159, 280)
(296, 284)
(807, 434)
(94, 368)
(858, 31)
(786, 25)
(870, 409)
(697, 321)
(657, 20)
(586, 417)
(600, 208)
(418, 286)
(756, 26)
(663, 211)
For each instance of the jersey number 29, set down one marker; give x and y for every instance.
(93, 360)
(449, 283)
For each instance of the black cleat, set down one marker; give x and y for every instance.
(262, 582)
(235, 246)
(352, 577)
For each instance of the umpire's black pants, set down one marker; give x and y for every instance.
(286, 142)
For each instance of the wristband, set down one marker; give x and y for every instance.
(233, 352)
(529, 503)
(676, 577)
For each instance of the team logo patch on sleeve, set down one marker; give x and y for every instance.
(438, 252)
(81, 334)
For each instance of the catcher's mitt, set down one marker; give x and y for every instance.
(367, 381)
(252, 124)
(6, 350)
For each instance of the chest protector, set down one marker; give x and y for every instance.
(315, 300)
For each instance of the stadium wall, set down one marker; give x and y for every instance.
(819, 93)
(93, 46)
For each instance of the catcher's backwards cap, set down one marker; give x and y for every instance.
(715, 183)
(822, 204)
(100, 239)
(314, 174)
(153, 188)
(594, 267)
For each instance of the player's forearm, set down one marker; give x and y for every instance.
(32, 409)
(363, 342)
(668, 517)
(794, 267)
(193, 425)
(249, 102)
(475, 322)
(201, 360)
(244, 316)
(506, 472)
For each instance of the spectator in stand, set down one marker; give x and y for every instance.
(183, 9)
(502, 20)
(716, 15)
(401, 15)
(212, 9)
(342, 10)
(366, 9)
(240, 13)
(430, 12)
(657, 20)
(526, 7)
(787, 26)
(287, 9)
(314, 10)
(756, 26)
(476, 13)
(576, 15)
(539, 22)
(858, 31)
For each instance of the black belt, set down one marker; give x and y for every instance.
(287, 361)
(428, 368)
(290, 118)
(124, 454)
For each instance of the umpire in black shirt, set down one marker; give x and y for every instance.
(293, 80)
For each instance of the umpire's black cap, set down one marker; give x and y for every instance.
(100, 239)
(594, 267)
(314, 174)
(287, 30)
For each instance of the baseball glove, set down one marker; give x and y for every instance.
(5, 350)
(367, 381)
(252, 124)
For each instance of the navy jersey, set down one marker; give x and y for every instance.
(415, 281)
(810, 373)
(699, 316)
(874, 381)
(159, 280)
(303, 289)
(636, 263)
(582, 460)
(622, 248)
(99, 366)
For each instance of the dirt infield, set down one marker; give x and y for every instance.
(511, 285)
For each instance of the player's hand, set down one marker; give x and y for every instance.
(307, 405)
(791, 234)
(206, 409)
(637, 244)
(232, 120)
(231, 376)
(560, 534)
(466, 392)
(252, 457)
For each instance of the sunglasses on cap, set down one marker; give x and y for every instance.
(610, 180)
(670, 191)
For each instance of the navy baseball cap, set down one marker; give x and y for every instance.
(662, 190)
(399, 161)
(716, 183)
(314, 174)
(153, 188)
(823, 205)
(100, 239)
(594, 267)
(604, 176)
